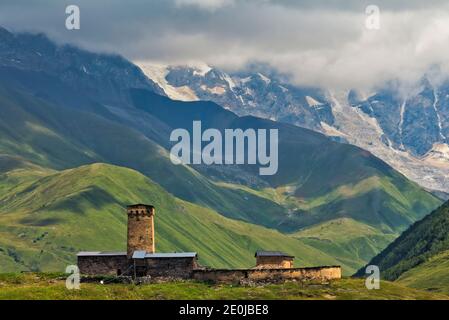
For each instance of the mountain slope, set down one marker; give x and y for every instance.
(353, 242)
(56, 118)
(131, 128)
(431, 275)
(419, 250)
(105, 77)
(399, 126)
(77, 137)
(44, 222)
(326, 179)
(62, 137)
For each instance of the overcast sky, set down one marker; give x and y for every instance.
(319, 43)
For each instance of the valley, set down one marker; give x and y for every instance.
(76, 147)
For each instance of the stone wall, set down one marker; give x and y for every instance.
(140, 229)
(274, 262)
(268, 275)
(169, 267)
(102, 265)
(187, 268)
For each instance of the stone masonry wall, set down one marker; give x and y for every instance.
(268, 275)
(171, 267)
(187, 268)
(102, 265)
(140, 230)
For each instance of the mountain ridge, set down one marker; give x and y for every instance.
(131, 129)
(416, 246)
(376, 121)
(84, 209)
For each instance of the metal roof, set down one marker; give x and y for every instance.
(100, 253)
(144, 255)
(139, 254)
(261, 253)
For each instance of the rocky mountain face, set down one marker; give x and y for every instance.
(105, 77)
(248, 93)
(408, 131)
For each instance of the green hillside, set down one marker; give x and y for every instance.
(432, 275)
(353, 242)
(56, 118)
(323, 180)
(50, 286)
(419, 255)
(45, 221)
(59, 137)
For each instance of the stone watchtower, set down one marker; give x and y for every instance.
(140, 229)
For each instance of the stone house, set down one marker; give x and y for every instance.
(273, 260)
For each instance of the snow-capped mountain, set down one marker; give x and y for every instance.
(244, 93)
(410, 133)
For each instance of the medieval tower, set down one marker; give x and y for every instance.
(140, 229)
(140, 259)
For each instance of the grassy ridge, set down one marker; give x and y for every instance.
(60, 137)
(417, 245)
(44, 286)
(353, 242)
(47, 216)
(44, 222)
(38, 207)
(419, 258)
(329, 180)
(60, 117)
(432, 275)
(318, 181)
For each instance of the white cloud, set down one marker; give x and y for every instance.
(205, 4)
(320, 43)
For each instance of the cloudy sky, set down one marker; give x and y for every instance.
(316, 42)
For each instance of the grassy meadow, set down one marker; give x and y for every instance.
(52, 287)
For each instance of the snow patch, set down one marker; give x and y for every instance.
(331, 131)
(312, 102)
(215, 90)
(157, 73)
(200, 69)
(229, 80)
(264, 78)
(438, 155)
(435, 108)
(401, 123)
(284, 89)
(245, 80)
(336, 105)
